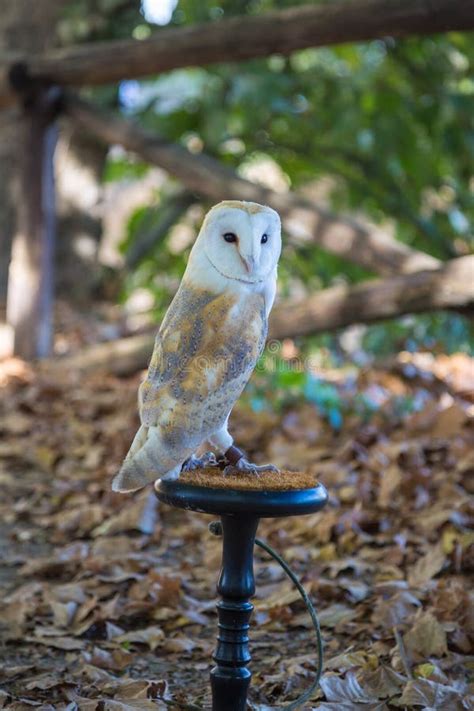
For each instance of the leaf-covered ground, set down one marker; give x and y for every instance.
(107, 601)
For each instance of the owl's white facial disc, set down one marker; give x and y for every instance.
(242, 241)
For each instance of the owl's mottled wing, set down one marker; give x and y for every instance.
(205, 352)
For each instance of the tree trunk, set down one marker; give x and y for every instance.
(27, 27)
(8, 135)
(31, 274)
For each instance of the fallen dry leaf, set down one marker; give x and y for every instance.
(344, 690)
(427, 567)
(102, 593)
(431, 695)
(426, 637)
(151, 636)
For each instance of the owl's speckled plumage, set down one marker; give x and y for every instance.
(207, 345)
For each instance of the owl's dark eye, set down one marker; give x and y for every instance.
(230, 237)
(264, 239)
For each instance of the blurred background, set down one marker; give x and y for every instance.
(368, 143)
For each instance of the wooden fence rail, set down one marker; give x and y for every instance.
(241, 38)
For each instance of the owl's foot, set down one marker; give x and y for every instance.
(243, 465)
(207, 460)
(236, 460)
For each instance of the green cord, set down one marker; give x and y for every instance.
(314, 619)
(216, 529)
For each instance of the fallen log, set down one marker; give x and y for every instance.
(241, 38)
(121, 357)
(303, 220)
(449, 287)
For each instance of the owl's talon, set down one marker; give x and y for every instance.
(243, 465)
(207, 460)
(230, 470)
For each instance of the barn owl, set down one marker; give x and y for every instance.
(207, 346)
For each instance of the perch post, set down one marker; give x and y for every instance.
(240, 511)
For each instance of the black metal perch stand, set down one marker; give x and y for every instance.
(240, 511)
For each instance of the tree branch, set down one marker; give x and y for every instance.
(304, 220)
(242, 38)
(449, 287)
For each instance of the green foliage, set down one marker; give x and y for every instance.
(281, 384)
(441, 332)
(123, 169)
(390, 122)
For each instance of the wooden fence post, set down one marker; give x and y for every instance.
(31, 275)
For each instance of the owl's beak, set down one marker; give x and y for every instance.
(249, 263)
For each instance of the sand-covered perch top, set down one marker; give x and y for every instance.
(214, 478)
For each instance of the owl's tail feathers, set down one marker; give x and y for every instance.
(138, 470)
